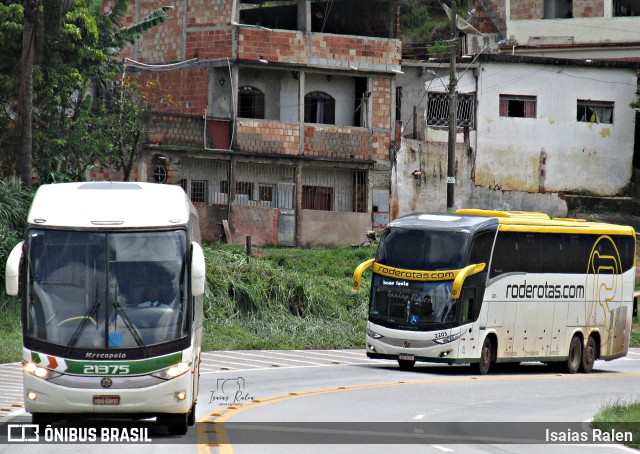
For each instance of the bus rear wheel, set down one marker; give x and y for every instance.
(406, 364)
(575, 355)
(589, 355)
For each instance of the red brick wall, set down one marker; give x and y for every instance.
(527, 9)
(204, 42)
(322, 50)
(189, 88)
(264, 136)
(161, 44)
(330, 141)
(588, 8)
(481, 19)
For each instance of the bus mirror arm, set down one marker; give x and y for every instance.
(198, 270)
(462, 275)
(13, 270)
(357, 274)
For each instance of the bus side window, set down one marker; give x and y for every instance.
(481, 248)
(468, 305)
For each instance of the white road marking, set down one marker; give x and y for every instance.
(419, 417)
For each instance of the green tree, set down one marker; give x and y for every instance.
(128, 109)
(58, 51)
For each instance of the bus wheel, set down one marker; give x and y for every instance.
(406, 364)
(177, 424)
(191, 420)
(42, 419)
(589, 355)
(482, 366)
(575, 355)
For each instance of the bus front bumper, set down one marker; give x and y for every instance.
(171, 396)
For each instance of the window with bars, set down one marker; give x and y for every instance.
(195, 189)
(438, 109)
(518, 106)
(334, 189)
(265, 193)
(317, 198)
(595, 111)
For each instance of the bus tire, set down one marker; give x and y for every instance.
(574, 360)
(482, 366)
(406, 364)
(191, 419)
(177, 424)
(589, 355)
(42, 419)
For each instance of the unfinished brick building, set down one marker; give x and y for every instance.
(283, 120)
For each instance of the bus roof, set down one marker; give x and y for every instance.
(109, 205)
(514, 221)
(444, 221)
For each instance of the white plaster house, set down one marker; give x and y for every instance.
(529, 129)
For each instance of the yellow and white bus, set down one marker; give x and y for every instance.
(485, 287)
(112, 279)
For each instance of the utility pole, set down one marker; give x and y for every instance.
(451, 151)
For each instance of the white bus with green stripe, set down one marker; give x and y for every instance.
(493, 287)
(96, 344)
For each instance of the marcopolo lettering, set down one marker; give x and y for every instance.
(546, 290)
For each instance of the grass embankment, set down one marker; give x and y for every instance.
(620, 417)
(277, 299)
(283, 298)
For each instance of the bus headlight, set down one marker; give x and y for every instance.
(446, 340)
(174, 371)
(39, 371)
(373, 334)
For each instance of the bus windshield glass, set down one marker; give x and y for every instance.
(106, 290)
(419, 249)
(412, 305)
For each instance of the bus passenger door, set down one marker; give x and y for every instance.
(468, 346)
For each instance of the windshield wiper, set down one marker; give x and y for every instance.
(93, 310)
(132, 329)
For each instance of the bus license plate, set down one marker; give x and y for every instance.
(106, 400)
(407, 357)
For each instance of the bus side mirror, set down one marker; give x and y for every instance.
(12, 271)
(198, 270)
(357, 274)
(635, 306)
(462, 275)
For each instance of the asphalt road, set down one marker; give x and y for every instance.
(339, 401)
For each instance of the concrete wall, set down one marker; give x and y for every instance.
(331, 228)
(554, 152)
(428, 192)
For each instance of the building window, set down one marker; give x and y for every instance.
(317, 198)
(244, 192)
(595, 111)
(518, 106)
(250, 103)
(319, 107)
(438, 109)
(265, 193)
(195, 189)
(558, 9)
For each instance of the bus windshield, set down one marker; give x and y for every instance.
(106, 290)
(412, 305)
(420, 249)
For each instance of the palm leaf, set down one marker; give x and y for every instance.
(154, 19)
